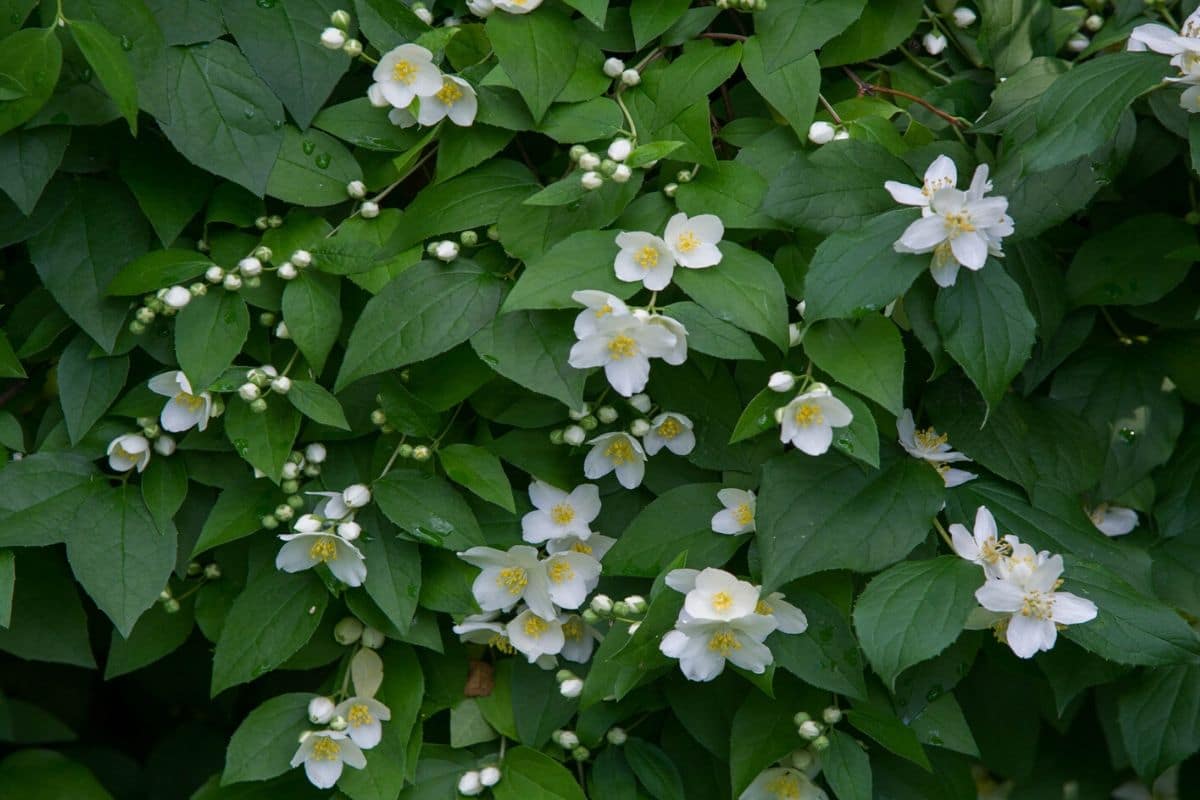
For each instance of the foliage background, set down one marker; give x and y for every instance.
(146, 127)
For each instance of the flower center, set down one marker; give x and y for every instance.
(622, 347)
(359, 715)
(561, 571)
(189, 401)
(535, 626)
(721, 601)
(562, 513)
(1037, 605)
(670, 429)
(744, 514)
(573, 630)
(512, 578)
(602, 310)
(647, 257)
(121, 452)
(785, 787)
(687, 242)
(763, 608)
(809, 414)
(993, 550)
(501, 643)
(933, 185)
(449, 93)
(958, 222)
(404, 71)
(929, 438)
(326, 749)
(323, 549)
(619, 451)
(724, 642)
(582, 547)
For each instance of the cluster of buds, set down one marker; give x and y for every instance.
(583, 421)
(336, 37)
(630, 610)
(248, 271)
(350, 631)
(475, 781)
(259, 382)
(265, 222)
(570, 685)
(288, 270)
(444, 250)
(821, 132)
(814, 732)
(209, 572)
(596, 169)
(569, 741)
(165, 302)
(742, 5)
(615, 68)
(164, 444)
(306, 464)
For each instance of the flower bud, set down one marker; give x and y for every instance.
(620, 149)
(250, 266)
(267, 319)
(571, 688)
(820, 743)
(616, 736)
(320, 710)
(640, 427)
(356, 189)
(295, 501)
(446, 250)
(641, 402)
(809, 730)
(567, 740)
(613, 67)
(489, 776)
(832, 715)
(636, 604)
(622, 173)
(781, 381)
(469, 238)
(556, 436)
(214, 274)
(333, 38)
(315, 453)
(671, 189)
(282, 332)
(608, 167)
(577, 152)
(563, 675)
(281, 385)
(151, 431)
(171, 606)
(145, 316)
(177, 297)
(349, 530)
(309, 523)
(284, 512)
(269, 522)
(581, 753)
(607, 414)
(1094, 23)
(259, 406)
(1078, 43)
(934, 43)
(821, 132)
(212, 571)
(574, 435)
(356, 495)
(591, 180)
(378, 417)
(312, 470)
(964, 17)
(493, 232)
(800, 718)
(602, 604)
(352, 48)
(338, 723)
(373, 638)
(232, 281)
(481, 8)
(621, 609)
(291, 471)
(421, 453)
(290, 486)
(164, 445)
(422, 13)
(590, 617)
(340, 19)
(249, 392)
(347, 631)
(369, 209)
(631, 77)
(579, 413)
(470, 785)
(589, 161)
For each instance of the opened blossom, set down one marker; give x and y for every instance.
(623, 345)
(982, 545)
(616, 452)
(323, 754)
(507, 578)
(364, 716)
(672, 431)
(1034, 608)
(536, 636)
(405, 73)
(303, 551)
(558, 514)
(932, 448)
(807, 422)
(783, 783)
(644, 258)
(186, 409)
(455, 100)
(738, 514)
(941, 174)
(128, 451)
(693, 240)
(1184, 49)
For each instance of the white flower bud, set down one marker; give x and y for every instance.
(423, 14)
(793, 334)
(579, 413)
(249, 392)
(1094, 23)
(177, 297)
(802, 759)
(339, 723)
(781, 381)
(489, 776)
(591, 180)
(373, 638)
(631, 77)
(607, 414)
(340, 19)
(315, 453)
(281, 331)
(352, 48)
(620, 149)
(356, 189)
(640, 427)
(934, 43)
(291, 471)
(574, 435)
(481, 8)
(370, 209)
(356, 495)
(832, 715)
(347, 631)
(333, 38)
(809, 730)
(309, 523)
(634, 628)
(349, 530)
(164, 445)
(446, 250)
(250, 266)
(469, 785)
(964, 17)
(1078, 43)
(602, 604)
(287, 271)
(821, 132)
(232, 281)
(301, 258)
(622, 173)
(616, 736)
(589, 161)
(281, 385)
(801, 717)
(840, 135)
(567, 740)
(613, 67)
(320, 710)
(214, 274)
(282, 511)
(641, 402)
(421, 453)
(571, 688)
(636, 604)
(376, 97)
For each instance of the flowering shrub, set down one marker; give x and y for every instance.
(551, 399)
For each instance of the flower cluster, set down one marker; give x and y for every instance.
(262, 380)
(406, 79)
(596, 169)
(132, 450)
(166, 302)
(541, 589)
(1019, 597)
(623, 339)
(808, 420)
(326, 537)
(648, 259)
(1184, 49)
(959, 228)
(725, 619)
(932, 448)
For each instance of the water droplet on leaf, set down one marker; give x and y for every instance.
(308, 147)
(323, 160)
(126, 43)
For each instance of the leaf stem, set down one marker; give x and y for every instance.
(829, 107)
(394, 456)
(921, 65)
(866, 89)
(942, 532)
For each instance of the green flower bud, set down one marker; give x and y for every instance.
(469, 238)
(269, 522)
(259, 406)
(421, 453)
(295, 501)
(556, 437)
(589, 423)
(406, 450)
(291, 487)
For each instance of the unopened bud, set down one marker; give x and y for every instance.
(284, 512)
(809, 730)
(577, 152)
(356, 495)
(671, 189)
(820, 743)
(214, 274)
(333, 38)
(1078, 43)
(589, 161)
(641, 402)
(602, 604)
(349, 530)
(446, 250)
(636, 604)
(369, 209)
(250, 266)
(613, 67)
(340, 19)
(470, 785)
(631, 77)
(282, 332)
(591, 180)
(832, 715)
(347, 631)
(232, 282)
(964, 17)
(571, 688)
(574, 435)
(616, 736)
(171, 606)
(489, 776)
(421, 453)
(821, 132)
(315, 453)
(639, 427)
(934, 43)
(212, 571)
(607, 414)
(281, 385)
(469, 238)
(373, 638)
(164, 445)
(556, 436)
(781, 382)
(356, 189)
(565, 739)
(320, 710)
(581, 753)
(352, 48)
(249, 392)
(269, 522)
(259, 405)
(620, 149)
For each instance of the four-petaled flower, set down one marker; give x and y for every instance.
(738, 514)
(323, 753)
(559, 515)
(807, 422)
(616, 452)
(185, 409)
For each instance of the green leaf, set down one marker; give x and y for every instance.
(237, 513)
(28, 160)
(598, 118)
(826, 655)
(759, 415)
(865, 354)
(35, 772)
(394, 578)
(875, 32)
(650, 152)
(312, 310)
(31, 60)
(315, 402)
(761, 735)
(1159, 718)
(846, 767)
(209, 334)
(389, 24)
(692, 76)
(48, 620)
(363, 125)
(39, 496)
(88, 386)
(263, 745)
(427, 507)
(986, 327)
(1111, 268)
(273, 617)
(312, 169)
(582, 259)
(10, 365)
(156, 634)
(265, 440)
(1014, 31)
(654, 769)
(707, 334)
(530, 775)
(650, 18)
(744, 290)
(222, 116)
(789, 30)
(459, 149)
(859, 439)
(479, 471)
(940, 593)
(829, 512)
(169, 206)
(791, 89)
(732, 191)
(427, 310)
(538, 707)
(537, 52)
(104, 53)
(8, 582)
(157, 270)
(876, 719)
(531, 348)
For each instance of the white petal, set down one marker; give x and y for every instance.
(323, 774)
(985, 526)
(1071, 609)
(177, 418)
(725, 521)
(702, 256)
(1000, 595)
(628, 376)
(630, 473)
(964, 543)
(682, 580)
(837, 414)
(905, 194)
(924, 234)
(1028, 635)
(970, 249)
(942, 173)
(591, 351)
(813, 440)
(167, 384)
(294, 557)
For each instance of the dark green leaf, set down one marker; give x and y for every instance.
(744, 289)
(209, 334)
(531, 348)
(478, 470)
(157, 270)
(104, 53)
(313, 312)
(88, 386)
(264, 743)
(537, 51)
(866, 355)
(30, 61)
(265, 440)
(315, 402)
(846, 767)
(427, 507)
(28, 160)
(791, 29)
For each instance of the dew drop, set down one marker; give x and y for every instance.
(1127, 435)
(85, 75)
(308, 147)
(265, 3)
(324, 160)
(249, 113)
(845, 443)
(126, 43)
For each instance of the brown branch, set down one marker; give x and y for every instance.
(736, 37)
(865, 89)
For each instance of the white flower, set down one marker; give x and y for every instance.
(251, 266)
(738, 514)
(481, 8)
(534, 636)
(961, 229)
(401, 118)
(315, 453)
(579, 639)
(164, 445)
(597, 545)
(644, 258)
(185, 409)
(809, 419)
(821, 132)
(620, 149)
(964, 17)
(983, 545)
(127, 451)
(934, 43)
(703, 646)
(557, 514)
(623, 345)
(484, 629)
(616, 452)
(613, 67)
(1036, 608)
(572, 576)
(446, 250)
(589, 161)
(323, 753)
(1109, 520)
(788, 618)
(177, 297)
(693, 240)
(716, 595)
(308, 523)
(783, 783)
(356, 495)
(672, 431)
(591, 180)
(470, 785)
(376, 97)
(349, 530)
(1021, 561)
(926, 445)
(508, 577)
(405, 73)
(333, 38)
(363, 715)
(303, 551)
(941, 174)
(517, 6)
(455, 100)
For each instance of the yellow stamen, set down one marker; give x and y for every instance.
(785, 787)
(619, 451)
(573, 630)
(744, 514)
(501, 643)
(449, 93)
(670, 428)
(535, 626)
(958, 222)
(721, 601)
(359, 715)
(582, 547)
(326, 749)
(622, 346)
(561, 571)
(687, 242)
(604, 309)
(189, 401)
(993, 550)
(513, 578)
(809, 414)
(323, 549)
(404, 71)
(929, 438)
(647, 257)
(562, 513)
(763, 608)
(1037, 605)
(724, 642)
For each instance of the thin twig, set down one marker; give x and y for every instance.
(828, 107)
(865, 88)
(736, 37)
(945, 536)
